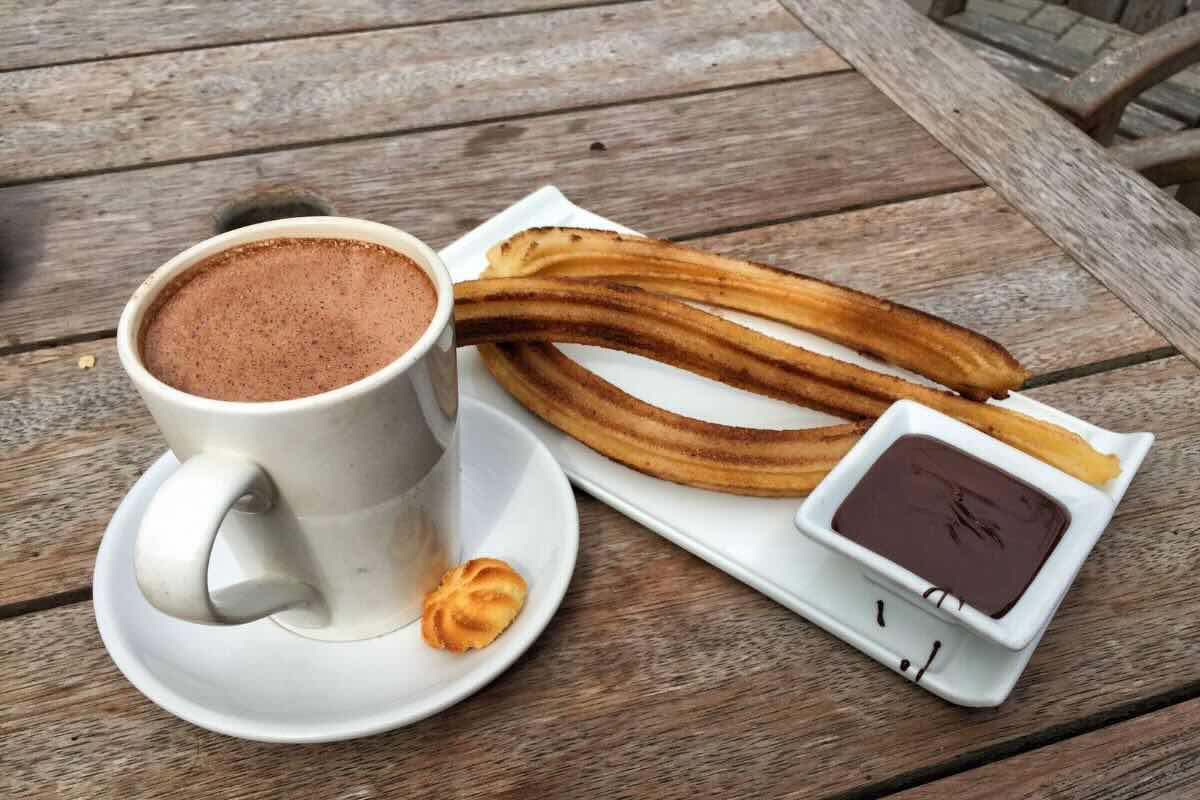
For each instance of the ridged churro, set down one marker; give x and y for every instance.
(752, 461)
(956, 357)
(657, 327)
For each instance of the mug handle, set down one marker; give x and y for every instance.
(176, 539)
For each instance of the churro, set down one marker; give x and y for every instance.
(751, 461)
(953, 356)
(657, 327)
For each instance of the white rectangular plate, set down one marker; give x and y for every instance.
(753, 539)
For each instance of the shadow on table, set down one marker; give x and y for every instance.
(22, 237)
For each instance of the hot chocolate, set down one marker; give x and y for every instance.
(286, 318)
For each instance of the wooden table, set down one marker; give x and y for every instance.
(867, 148)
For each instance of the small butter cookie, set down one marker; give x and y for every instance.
(472, 605)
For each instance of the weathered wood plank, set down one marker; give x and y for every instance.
(966, 256)
(175, 106)
(73, 251)
(688, 683)
(1134, 238)
(33, 34)
(1157, 755)
(1138, 122)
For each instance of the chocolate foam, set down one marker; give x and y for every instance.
(286, 318)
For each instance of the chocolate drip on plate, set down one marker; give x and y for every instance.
(937, 645)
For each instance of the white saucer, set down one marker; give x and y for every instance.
(258, 681)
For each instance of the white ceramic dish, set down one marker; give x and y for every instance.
(1089, 509)
(750, 538)
(258, 681)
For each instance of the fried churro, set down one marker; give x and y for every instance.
(956, 357)
(657, 327)
(750, 461)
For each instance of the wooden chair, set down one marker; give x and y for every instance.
(1097, 97)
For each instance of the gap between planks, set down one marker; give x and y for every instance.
(825, 212)
(1025, 744)
(58, 341)
(47, 602)
(326, 33)
(1096, 367)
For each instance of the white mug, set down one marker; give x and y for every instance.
(342, 507)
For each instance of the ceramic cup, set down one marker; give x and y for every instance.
(341, 509)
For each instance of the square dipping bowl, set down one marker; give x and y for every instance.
(1090, 511)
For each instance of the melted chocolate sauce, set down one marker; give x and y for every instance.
(937, 645)
(879, 614)
(953, 520)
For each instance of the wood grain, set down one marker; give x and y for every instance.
(91, 117)
(33, 34)
(1157, 755)
(965, 256)
(661, 676)
(1135, 239)
(71, 252)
